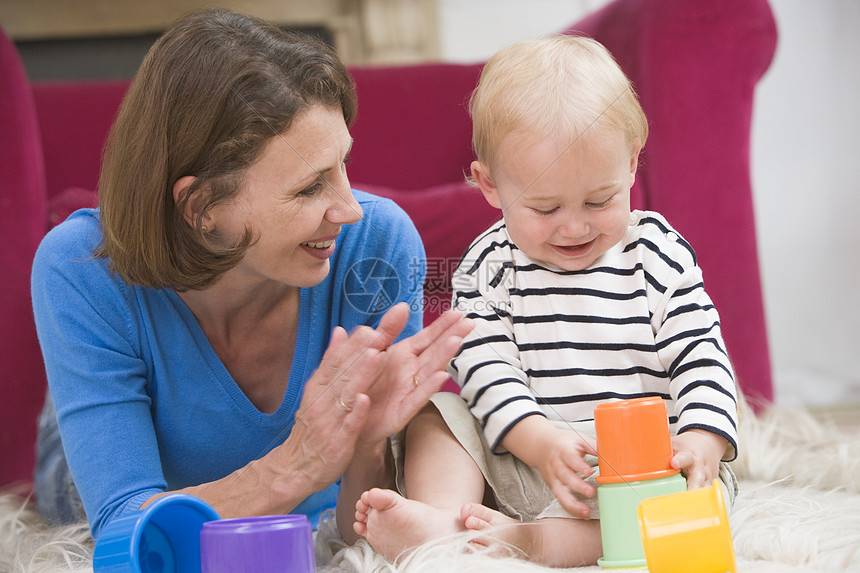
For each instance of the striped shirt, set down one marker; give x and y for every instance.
(556, 343)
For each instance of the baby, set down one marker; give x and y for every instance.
(577, 301)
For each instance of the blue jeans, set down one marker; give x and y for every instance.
(56, 495)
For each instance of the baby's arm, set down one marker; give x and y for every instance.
(702, 385)
(697, 455)
(558, 455)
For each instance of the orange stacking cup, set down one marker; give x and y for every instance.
(633, 440)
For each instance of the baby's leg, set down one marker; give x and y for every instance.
(437, 470)
(552, 541)
(440, 476)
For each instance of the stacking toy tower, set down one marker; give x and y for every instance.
(634, 450)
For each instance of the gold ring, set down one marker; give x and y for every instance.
(346, 407)
(415, 381)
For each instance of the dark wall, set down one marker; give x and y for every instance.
(97, 58)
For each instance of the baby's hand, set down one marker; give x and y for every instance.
(697, 455)
(563, 468)
(558, 455)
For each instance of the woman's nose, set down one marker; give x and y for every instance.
(343, 208)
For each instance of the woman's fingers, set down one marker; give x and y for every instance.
(336, 355)
(353, 383)
(451, 320)
(355, 417)
(397, 379)
(338, 335)
(395, 319)
(348, 368)
(391, 325)
(422, 389)
(437, 356)
(335, 409)
(433, 351)
(323, 442)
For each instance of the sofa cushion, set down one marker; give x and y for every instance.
(695, 168)
(74, 119)
(413, 128)
(22, 218)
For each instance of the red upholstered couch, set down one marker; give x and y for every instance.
(694, 64)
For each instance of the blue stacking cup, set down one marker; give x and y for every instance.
(163, 538)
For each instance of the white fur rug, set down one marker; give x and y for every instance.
(798, 511)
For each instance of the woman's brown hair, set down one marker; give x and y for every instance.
(211, 92)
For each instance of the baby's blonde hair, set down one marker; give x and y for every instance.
(555, 86)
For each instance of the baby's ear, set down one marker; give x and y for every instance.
(481, 176)
(634, 163)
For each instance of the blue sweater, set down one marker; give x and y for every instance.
(144, 404)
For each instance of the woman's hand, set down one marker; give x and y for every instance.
(362, 392)
(408, 373)
(697, 455)
(333, 410)
(322, 441)
(410, 370)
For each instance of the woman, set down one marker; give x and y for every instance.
(194, 328)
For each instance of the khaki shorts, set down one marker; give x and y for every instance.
(518, 489)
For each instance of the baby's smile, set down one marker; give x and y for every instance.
(573, 250)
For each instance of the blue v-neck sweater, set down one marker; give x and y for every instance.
(144, 404)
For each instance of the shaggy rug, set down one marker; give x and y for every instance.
(798, 511)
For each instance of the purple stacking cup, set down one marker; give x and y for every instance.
(264, 544)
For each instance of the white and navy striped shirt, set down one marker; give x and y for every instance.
(556, 343)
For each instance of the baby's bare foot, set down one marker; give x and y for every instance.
(499, 527)
(393, 524)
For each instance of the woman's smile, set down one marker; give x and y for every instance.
(320, 248)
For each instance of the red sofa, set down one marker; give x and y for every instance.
(695, 66)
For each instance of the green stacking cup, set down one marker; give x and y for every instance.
(619, 520)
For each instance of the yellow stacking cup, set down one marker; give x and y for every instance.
(687, 531)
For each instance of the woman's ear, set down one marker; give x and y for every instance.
(481, 176)
(191, 209)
